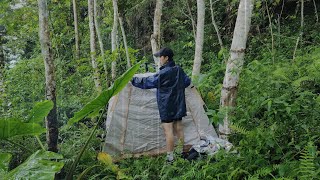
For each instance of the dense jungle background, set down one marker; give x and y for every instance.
(275, 124)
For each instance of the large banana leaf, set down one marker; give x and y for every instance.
(4, 163)
(15, 127)
(39, 111)
(93, 107)
(37, 166)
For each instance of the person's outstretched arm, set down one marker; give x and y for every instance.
(145, 82)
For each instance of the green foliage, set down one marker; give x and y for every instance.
(4, 163)
(72, 140)
(38, 165)
(39, 111)
(277, 113)
(307, 169)
(14, 127)
(106, 159)
(24, 84)
(92, 108)
(238, 129)
(263, 172)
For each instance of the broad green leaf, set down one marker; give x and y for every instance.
(93, 107)
(40, 111)
(14, 127)
(37, 166)
(4, 163)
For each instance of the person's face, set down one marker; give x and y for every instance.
(163, 60)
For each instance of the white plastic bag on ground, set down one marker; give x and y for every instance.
(211, 145)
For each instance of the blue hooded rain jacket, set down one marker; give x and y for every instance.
(170, 82)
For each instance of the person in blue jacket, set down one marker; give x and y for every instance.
(170, 82)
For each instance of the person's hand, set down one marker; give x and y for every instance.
(133, 80)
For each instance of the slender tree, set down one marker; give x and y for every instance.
(190, 16)
(235, 63)
(215, 25)
(155, 37)
(299, 39)
(97, 27)
(125, 41)
(76, 31)
(271, 33)
(199, 38)
(96, 75)
(114, 37)
(192, 20)
(46, 50)
(2, 64)
(316, 11)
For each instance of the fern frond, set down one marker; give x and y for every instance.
(253, 178)
(307, 169)
(238, 129)
(262, 172)
(286, 169)
(238, 172)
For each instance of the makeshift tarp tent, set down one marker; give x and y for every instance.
(133, 124)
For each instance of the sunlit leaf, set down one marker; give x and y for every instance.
(14, 127)
(105, 158)
(40, 111)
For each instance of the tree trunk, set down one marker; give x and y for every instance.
(125, 42)
(234, 64)
(114, 37)
(155, 37)
(76, 32)
(46, 50)
(299, 39)
(192, 20)
(199, 38)
(215, 25)
(96, 75)
(97, 27)
(2, 64)
(271, 32)
(316, 11)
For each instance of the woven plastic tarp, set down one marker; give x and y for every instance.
(133, 124)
